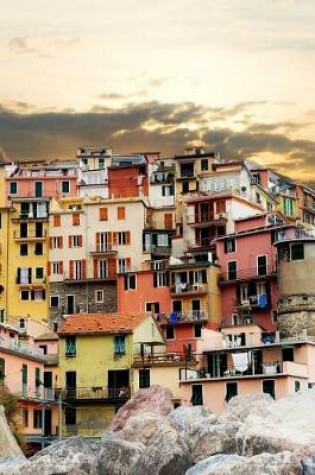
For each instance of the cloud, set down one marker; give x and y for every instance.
(20, 45)
(165, 127)
(42, 46)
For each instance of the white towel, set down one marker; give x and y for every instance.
(240, 361)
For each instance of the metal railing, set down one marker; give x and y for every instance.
(188, 288)
(22, 348)
(158, 358)
(206, 217)
(250, 273)
(192, 316)
(30, 235)
(94, 392)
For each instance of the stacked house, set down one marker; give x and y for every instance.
(119, 271)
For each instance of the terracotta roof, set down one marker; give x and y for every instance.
(100, 324)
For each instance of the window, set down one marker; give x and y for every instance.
(297, 386)
(121, 212)
(261, 265)
(185, 188)
(152, 307)
(119, 345)
(57, 220)
(232, 270)
(39, 272)
(70, 346)
(44, 348)
(25, 295)
(99, 296)
(297, 251)
(65, 187)
(288, 354)
(25, 417)
(170, 332)
(124, 264)
(2, 370)
(56, 267)
(288, 206)
(38, 295)
(56, 242)
(144, 378)
(231, 391)
(160, 279)
(167, 190)
(197, 397)
(13, 188)
(204, 164)
(23, 249)
(197, 330)
(75, 241)
(24, 275)
(269, 387)
(39, 249)
(54, 301)
(257, 198)
(229, 245)
(76, 219)
(101, 163)
(70, 416)
(37, 419)
(103, 214)
(130, 282)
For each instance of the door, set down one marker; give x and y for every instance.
(38, 189)
(71, 384)
(23, 230)
(197, 397)
(269, 387)
(70, 304)
(47, 423)
(104, 244)
(196, 307)
(39, 229)
(118, 383)
(231, 391)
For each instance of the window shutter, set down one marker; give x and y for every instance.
(168, 221)
(80, 240)
(121, 212)
(60, 239)
(97, 241)
(103, 214)
(70, 241)
(48, 268)
(19, 275)
(115, 238)
(110, 239)
(60, 267)
(128, 262)
(71, 265)
(95, 268)
(111, 268)
(57, 220)
(128, 237)
(50, 243)
(29, 275)
(84, 268)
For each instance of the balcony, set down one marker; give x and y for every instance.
(173, 318)
(103, 249)
(162, 359)
(18, 236)
(94, 394)
(207, 219)
(200, 244)
(262, 272)
(21, 348)
(83, 279)
(188, 289)
(266, 370)
(161, 251)
(253, 302)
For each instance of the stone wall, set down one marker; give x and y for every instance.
(296, 312)
(84, 294)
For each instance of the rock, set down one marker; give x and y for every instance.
(11, 463)
(185, 417)
(155, 399)
(308, 465)
(8, 444)
(118, 455)
(167, 454)
(143, 427)
(306, 455)
(60, 458)
(288, 424)
(240, 407)
(264, 464)
(206, 440)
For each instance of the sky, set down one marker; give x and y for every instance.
(237, 76)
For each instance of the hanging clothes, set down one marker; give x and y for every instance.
(240, 361)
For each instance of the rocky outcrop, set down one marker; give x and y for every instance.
(255, 435)
(155, 400)
(8, 444)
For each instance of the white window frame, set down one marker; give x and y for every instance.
(99, 292)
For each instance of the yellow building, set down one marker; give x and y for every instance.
(27, 258)
(96, 354)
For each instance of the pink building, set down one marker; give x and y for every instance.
(248, 279)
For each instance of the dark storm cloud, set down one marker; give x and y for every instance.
(59, 134)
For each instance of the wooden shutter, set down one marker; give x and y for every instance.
(70, 241)
(95, 267)
(121, 212)
(83, 268)
(60, 267)
(80, 240)
(50, 243)
(110, 239)
(128, 237)
(128, 262)
(111, 268)
(57, 220)
(168, 220)
(103, 214)
(60, 240)
(71, 268)
(97, 241)
(115, 238)
(48, 268)
(29, 275)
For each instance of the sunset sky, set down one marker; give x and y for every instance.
(235, 75)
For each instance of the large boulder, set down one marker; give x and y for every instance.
(11, 463)
(74, 454)
(186, 417)
(264, 464)
(155, 399)
(166, 454)
(288, 424)
(240, 407)
(117, 455)
(8, 444)
(143, 427)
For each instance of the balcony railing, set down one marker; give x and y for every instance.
(203, 243)
(29, 235)
(21, 348)
(94, 392)
(207, 218)
(188, 288)
(158, 359)
(295, 234)
(103, 249)
(246, 274)
(193, 316)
